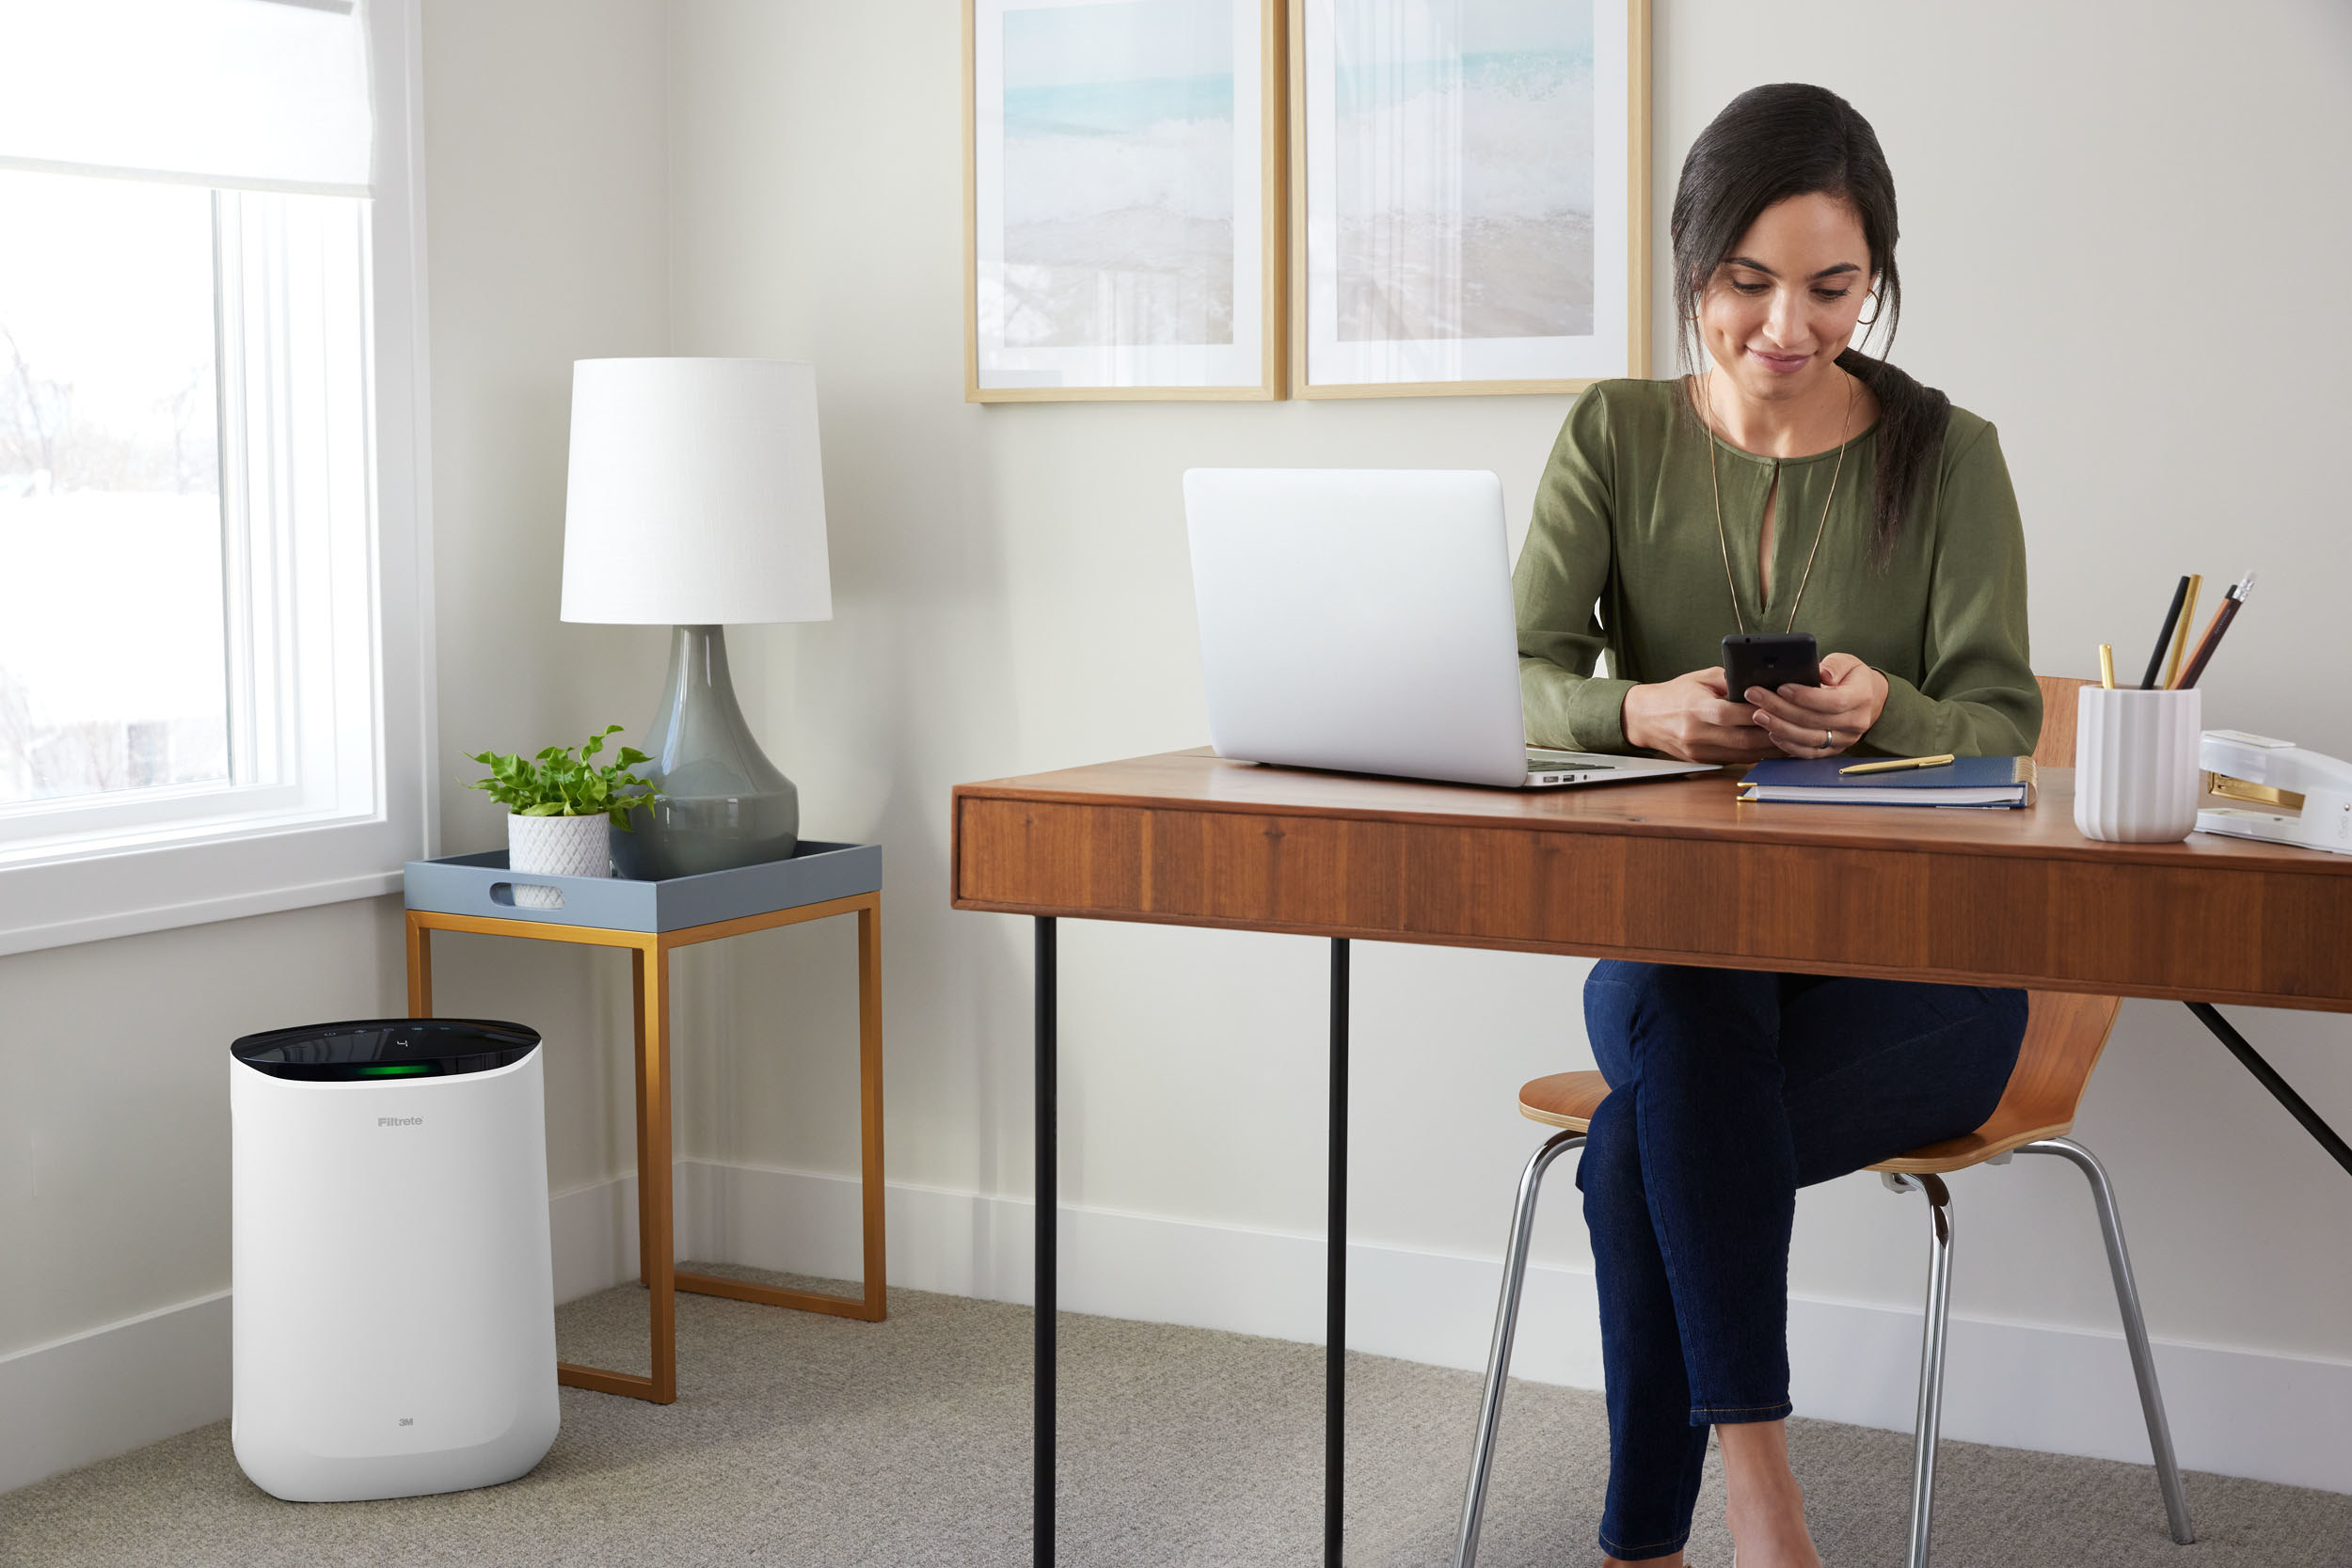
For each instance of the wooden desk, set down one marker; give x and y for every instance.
(1679, 871)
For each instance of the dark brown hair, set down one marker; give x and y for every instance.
(1789, 139)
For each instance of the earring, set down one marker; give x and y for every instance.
(1880, 309)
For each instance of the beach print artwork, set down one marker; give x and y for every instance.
(1465, 171)
(1465, 183)
(1120, 192)
(1119, 175)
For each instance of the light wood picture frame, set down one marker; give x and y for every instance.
(1454, 228)
(1124, 202)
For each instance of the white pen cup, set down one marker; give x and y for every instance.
(2136, 764)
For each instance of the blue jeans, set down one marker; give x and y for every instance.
(1728, 1091)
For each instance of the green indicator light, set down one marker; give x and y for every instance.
(393, 1070)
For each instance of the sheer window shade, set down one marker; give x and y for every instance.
(251, 94)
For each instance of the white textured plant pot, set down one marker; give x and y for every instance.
(556, 847)
(2136, 765)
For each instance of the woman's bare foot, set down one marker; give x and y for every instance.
(1765, 1506)
(1674, 1562)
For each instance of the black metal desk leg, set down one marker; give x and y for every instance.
(1335, 1301)
(2268, 1077)
(1048, 1200)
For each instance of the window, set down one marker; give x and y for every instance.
(184, 624)
(109, 474)
(211, 696)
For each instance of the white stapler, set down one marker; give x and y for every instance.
(2291, 796)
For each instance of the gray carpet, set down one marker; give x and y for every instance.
(800, 1439)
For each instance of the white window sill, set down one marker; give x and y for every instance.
(126, 892)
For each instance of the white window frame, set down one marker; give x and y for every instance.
(366, 804)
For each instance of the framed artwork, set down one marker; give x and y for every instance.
(1123, 211)
(1470, 196)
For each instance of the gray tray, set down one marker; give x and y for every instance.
(481, 885)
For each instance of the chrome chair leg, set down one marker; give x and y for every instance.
(2135, 1329)
(1507, 1328)
(1931, 1417)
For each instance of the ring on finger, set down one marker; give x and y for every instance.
(1828, 740)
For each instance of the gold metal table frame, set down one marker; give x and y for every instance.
(649, 976)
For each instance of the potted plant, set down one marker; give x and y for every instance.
(559, 804)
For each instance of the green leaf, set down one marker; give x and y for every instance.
(565, 783)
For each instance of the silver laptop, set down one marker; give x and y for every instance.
(1361, 620)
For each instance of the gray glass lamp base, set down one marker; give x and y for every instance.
(722, 802)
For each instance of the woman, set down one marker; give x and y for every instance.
(1791, 484)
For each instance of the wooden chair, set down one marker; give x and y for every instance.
(2065, 1035)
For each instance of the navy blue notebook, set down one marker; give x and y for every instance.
(1967, 782)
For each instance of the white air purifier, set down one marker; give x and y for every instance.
(395, 1305)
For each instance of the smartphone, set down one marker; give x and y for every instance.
(1770, 659)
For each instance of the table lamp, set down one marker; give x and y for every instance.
(696, 500)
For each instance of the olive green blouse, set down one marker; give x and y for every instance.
(1623, 555)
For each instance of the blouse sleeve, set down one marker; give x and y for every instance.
(1562, 570)
(1976, 695)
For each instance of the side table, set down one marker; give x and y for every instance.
(478, 893)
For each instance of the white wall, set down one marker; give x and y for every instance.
(542, 123)
(2117, 247)
(113, 1100)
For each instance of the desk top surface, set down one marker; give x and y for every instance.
(1703, 806)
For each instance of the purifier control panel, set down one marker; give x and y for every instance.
(382, 1049)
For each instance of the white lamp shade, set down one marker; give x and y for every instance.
(695, 496)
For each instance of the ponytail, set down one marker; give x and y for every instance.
(1912, 420)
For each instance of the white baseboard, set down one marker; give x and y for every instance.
(113, 1389)
(2024, 1385)
(2058, 1390)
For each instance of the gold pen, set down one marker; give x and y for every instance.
(2106, 665)
(1891, 764)
(2180, 632)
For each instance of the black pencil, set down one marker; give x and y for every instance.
(2164, 638)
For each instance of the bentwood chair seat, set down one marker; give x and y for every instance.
(2065, 1034)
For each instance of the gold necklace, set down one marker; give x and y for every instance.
(1708, 419)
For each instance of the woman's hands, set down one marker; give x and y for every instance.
(1692, 718)
(1695, 718)
(1822, 720)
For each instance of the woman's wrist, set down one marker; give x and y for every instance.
(1633, 718)
(1877, 702)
